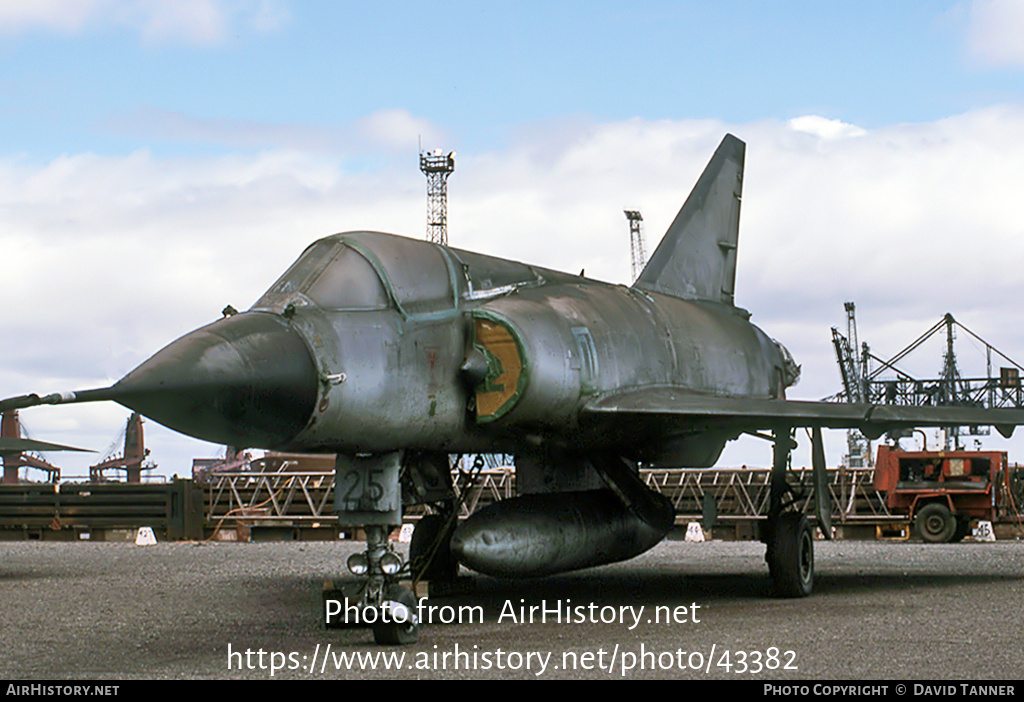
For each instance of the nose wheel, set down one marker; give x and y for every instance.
(374, 598)
(400, 625)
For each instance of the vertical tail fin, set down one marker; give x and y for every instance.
(696, 258)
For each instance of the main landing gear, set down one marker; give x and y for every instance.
(787, 535)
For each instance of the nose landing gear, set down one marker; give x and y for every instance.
(376, 599)
(367, 494)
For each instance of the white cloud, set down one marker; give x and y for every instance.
(825, 128)
(198, 21)
(995, 32)
(107, 259)
(201, 22)
(60, 15)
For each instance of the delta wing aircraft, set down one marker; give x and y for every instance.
(394, 353)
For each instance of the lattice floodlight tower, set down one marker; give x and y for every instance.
(636, 242)
(437, 167)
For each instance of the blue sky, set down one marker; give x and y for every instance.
(159, 160)
(477, 71)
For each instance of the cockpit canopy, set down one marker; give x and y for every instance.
(342, 273)
(332, 276)
(372, 270)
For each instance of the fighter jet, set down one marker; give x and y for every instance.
(395, 353)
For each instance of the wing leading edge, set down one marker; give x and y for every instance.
(677, 407)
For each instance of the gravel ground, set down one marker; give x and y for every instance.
(881, 610)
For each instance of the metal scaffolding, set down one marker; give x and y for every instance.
(737, 493)
(870, 379)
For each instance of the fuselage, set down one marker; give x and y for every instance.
(419, 346)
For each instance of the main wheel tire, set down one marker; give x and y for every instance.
(442, 567)
(791, 556)
(402, 624)
(935, 523)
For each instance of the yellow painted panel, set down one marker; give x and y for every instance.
(500, 387)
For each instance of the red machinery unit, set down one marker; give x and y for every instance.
(942, 491)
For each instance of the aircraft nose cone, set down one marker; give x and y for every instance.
(246, 380)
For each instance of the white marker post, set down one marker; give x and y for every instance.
(694, 533)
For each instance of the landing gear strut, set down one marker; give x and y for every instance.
(367, 494)
(374, 598)
(788, 535)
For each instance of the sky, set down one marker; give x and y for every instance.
(161, 160)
